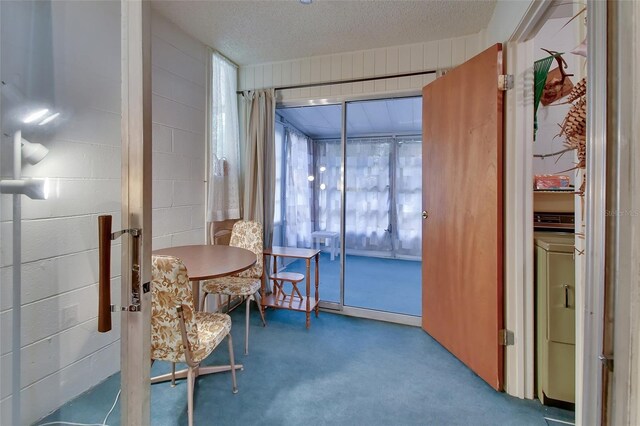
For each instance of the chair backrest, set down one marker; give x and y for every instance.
(170, 288)
(247, 234)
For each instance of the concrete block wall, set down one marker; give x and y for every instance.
(361, 64)
(179, 135)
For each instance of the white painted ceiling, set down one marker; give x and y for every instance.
(379, 117)
(256, 31)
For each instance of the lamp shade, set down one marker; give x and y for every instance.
(33, 153)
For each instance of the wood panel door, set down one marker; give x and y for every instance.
(462, 274)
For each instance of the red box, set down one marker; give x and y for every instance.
(551, 182)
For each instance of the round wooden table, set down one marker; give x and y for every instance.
(207, 261)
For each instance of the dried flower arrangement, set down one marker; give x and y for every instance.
(574, 126)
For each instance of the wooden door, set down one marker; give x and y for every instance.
(462, 274)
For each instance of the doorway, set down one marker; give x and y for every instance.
(371, 256)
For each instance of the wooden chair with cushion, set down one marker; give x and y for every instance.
(180, 334)
(246, 284)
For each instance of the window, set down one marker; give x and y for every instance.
(223, 200)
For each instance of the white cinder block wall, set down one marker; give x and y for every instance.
(179, 135)
(360, 64)
(62, 353)
(67, 53)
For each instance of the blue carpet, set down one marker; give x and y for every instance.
(391, 285)
(342, 371)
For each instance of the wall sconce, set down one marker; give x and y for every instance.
(33, 153)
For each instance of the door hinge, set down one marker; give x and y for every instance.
(505, 337)
(607, 361)
(442, 72)
(505, 82)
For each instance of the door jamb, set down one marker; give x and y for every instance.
(623, 220)
(518, 235)
(519, 294)
(588, 406)
(135, 351)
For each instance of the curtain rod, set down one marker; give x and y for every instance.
(353, 80)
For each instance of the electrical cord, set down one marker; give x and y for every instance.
(104, 422)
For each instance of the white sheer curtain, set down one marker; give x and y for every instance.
(409, 196)
(298, 189)
(223, 201)
(370, 165)
(368, 194)
(278, 199)
(328, 164)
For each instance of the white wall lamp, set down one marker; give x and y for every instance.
(36, 189)
(22, 114)
(33, 153)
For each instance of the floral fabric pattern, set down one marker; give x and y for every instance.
(247, 234)
(170, 288)
(232, 286)
(212, 329)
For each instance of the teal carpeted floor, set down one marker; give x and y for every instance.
(342, 371)
(391, 285)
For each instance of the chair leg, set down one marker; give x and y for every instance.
(256, 297)
(203, 301)
(173, 374)
(228, 304)
(190, 385)
(232, 362)
(246, 326)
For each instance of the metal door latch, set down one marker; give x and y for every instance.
(130, 308)
(606, 361)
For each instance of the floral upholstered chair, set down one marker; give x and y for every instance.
(178, 334)
(245, 234)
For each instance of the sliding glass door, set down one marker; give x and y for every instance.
(375, 224)
(308, 179)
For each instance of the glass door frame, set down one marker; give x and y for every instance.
(340, 307)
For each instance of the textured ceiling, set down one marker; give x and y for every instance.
(379, 117)
(256, 31)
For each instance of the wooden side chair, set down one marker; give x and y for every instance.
(246, 284)
(180, 334)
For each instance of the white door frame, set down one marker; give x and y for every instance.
(519, 295)
(623, 219)
(518, 178)
(518, 204)
(589, 368)
(136, 209)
